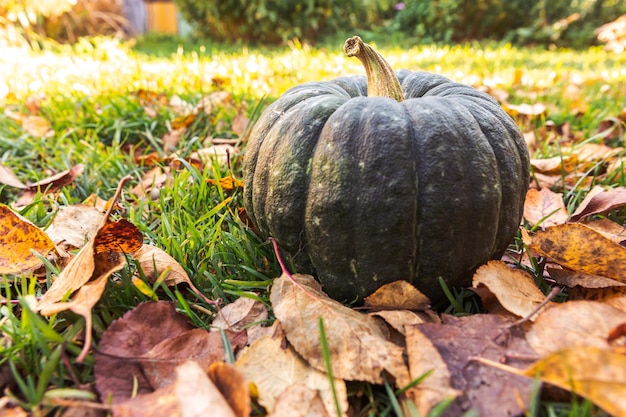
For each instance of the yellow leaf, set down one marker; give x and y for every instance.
(581, 248)
(226, 183)
(596, 374)
(19, 238)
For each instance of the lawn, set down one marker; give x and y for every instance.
(175, 117)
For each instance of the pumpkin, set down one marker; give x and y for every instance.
(394, 176)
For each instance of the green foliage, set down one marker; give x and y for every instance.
(271, 21)
(564, 22)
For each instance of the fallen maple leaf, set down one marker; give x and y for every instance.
(359, 349)
(544, 207)
(273, 369)
(593, 373)
(580, 248)
(515, 290)
(573, 324)
(20, 241)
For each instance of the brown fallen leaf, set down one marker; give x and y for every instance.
(273, 369)
(233, 386)
(213, 101)
(398, 295)
(19, 241)
(401, 319)
(192, 394)
(573, 279)
(615, 232)
(580, 248)
(118, 373)
(573, 324)
(490, 392)
(85, 276)
(600, 200)
(75, 225)
(359, 349)
(240, 314)
(514, 289)
(593, 373)
(611, 296)
(157, 264)
(49, 185)
(7, 177)
(299, 401)
(544, 207)
(425, 359)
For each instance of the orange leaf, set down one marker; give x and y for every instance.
(544, 206)
(19, 238)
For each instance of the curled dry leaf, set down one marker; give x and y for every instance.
(514, 289)
(50, 185)
(19, 238)
(359, 348)
(573, 279)
(457, 342)
(545, 207)
(273, 369)
(573, 324)
(600, 200)
(580, 248)
(615, 232)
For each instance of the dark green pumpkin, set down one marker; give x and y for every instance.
(362, 191)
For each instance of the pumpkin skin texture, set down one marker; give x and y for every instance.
(362, 191)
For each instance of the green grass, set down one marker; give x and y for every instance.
(92, 106)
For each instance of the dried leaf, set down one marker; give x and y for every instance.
(74, 225)
(609, 229)
(50, 185)
(515, 289)
(240, 314)
(572, 279)
(233, 386)
(157, 264)
(240, 123)
(226, 183)
(573, 324)
(273, 369)
(299, 401)
(197, 395)
(458, 341)
(401, 319)
(593, 373)
(425, 358)
(600, 200)
(359, 349)
(219, 153)
(7, 177)
(19, 241)
(581, 248)
(213, 101)
(610, 296)
(544, 206)
(117, 371)
(398, 295)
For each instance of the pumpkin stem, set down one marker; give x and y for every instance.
(381, 80)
